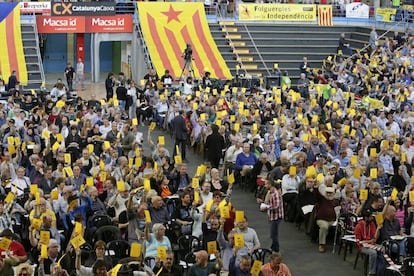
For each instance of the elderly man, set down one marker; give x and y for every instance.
(275, 266)
(260, 171)
(245, 162)
(251, 240)
(158, 210)
(77, 179)
(203, 266)
(167, 267)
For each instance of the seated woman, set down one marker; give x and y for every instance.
(98, 254)
(156, 239)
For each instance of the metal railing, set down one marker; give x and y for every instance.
(256, 49)
(147, 58)
(227, 35)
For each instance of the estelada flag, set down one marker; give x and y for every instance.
(325, 15)
(11, 45)
(169, 27)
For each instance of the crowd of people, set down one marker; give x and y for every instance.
(81, 194)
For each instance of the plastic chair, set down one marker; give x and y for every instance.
(107, 234)
(346, 226)
(100, 220)
(187, 244)
(261, 254)
(117, 250)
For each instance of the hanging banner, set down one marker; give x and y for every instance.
(325, 15)
(357, 10)
(83, 8)
(385, 14)
(121, 23)
(277, 12)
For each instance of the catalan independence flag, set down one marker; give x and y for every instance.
(11, 45)
(325, 15)
(168, 27)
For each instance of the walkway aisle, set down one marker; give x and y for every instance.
(298, 252)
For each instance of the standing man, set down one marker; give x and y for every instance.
(214, 146)
(304, 66)
(69, 75)
(275, 213)
(180, 133)
(80, 74)
(373, 38)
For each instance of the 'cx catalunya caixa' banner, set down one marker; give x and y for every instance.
(277, 12)
(85, 24)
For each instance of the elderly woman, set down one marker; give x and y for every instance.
(24, 269)
(218, 184)
(156, 239)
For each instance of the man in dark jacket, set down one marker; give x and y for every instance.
(180, 133)
(260, 171)
(214, 146)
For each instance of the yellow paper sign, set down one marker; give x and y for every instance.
(5, 244)
(107, 145)
(43, 252)
(363, 194)
(310, 171)
(373, 173)
(411, 196)
(59, 137)
(134, 121)
(211, 247)
(239, 216)
(256, 268)
(77, 241)
(196, 197)
(147, 216)
(78, 228)
(230, 178)
(138, 162)
(152, 126)
(54, 194)
(379, 219)
(161, 140)
(403, 157)
(208, 205)
(178, 159)
(238, 240)
(195, 183)
(9, 198)
(373, 152)
(120, 185)
(69, 171)
(89, 181)
(162, 252)
(147, 184)
(357, 173)
(36, 223)
(67, 158)
(292, 170)
(55, 146)
(354, 160)
(90, 148)
(44, 237)
(33, 189)
(136, 249)
(396, 148)
(394, 194)
(225, 211)
(102, 176)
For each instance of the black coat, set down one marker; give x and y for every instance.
(214, 146)
(180, 128)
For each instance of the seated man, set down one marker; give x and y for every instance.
(260, 171)
(203, 266)
(245, 162)
(251, 240)
(275, 266)
(167, 267)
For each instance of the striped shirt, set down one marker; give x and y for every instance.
(275, 210)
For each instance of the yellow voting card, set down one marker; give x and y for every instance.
(363, 194)
(135, 250)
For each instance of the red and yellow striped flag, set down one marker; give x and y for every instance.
(325, 15)
(11, 49)
(168, 27)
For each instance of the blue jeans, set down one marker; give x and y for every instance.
(274, 234)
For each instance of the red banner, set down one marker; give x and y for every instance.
(109, 24)
(60, 24)
(85, 24)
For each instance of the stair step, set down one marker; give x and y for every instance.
(233, 36)
(228, 23)
(237, 43)
(244, 59)
(249, 66)
(241, 51)
(229, 30)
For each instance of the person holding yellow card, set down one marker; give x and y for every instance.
(155, 239)
(167, 267)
